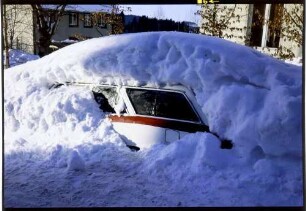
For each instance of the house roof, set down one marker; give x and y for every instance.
(83, 8)
(89, 8)
(191, 24)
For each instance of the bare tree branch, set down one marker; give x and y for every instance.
(7, 56)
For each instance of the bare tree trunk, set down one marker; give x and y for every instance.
(6, 43)
(46, 29)
(44, 43)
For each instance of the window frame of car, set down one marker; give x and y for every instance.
(71, 24)
(131, 109)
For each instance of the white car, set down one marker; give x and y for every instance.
(146, 115)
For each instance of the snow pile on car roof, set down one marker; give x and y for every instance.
(252, 99)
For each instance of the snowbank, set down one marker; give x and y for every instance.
(18, 57)
(296, 61)
(252, 99)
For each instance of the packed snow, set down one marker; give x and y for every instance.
(61, 150)
(17, 57)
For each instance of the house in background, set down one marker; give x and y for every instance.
(20, 32)
(262, 37)
(75, 24)
(192, 27)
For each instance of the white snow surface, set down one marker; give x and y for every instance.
(82, 7)
(61, 150)
(18, 57)
(296, 61)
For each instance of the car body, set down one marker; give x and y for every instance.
(147, 115)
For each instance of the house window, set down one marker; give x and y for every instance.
(274, 29)
(161, 104)
(101, 22)
(266, 25)
(87, 20)
(257, 24)
(73, 19)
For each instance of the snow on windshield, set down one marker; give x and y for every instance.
(60, 149)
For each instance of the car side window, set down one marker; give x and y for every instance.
(106, 97)
(166, 104)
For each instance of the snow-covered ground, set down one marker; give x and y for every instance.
(296, 61)
(18, 57)
(60, 149)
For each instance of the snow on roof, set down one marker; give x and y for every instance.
(248, 97)
(84, 8)
(191, 24)
(89, 8)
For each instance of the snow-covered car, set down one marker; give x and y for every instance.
(62, 150)
(147, 115)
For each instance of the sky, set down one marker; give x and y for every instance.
(174, 12)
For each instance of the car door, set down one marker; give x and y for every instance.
(155, 115)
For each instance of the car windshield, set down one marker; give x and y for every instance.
(162, 103)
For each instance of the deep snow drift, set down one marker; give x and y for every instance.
(60, 150)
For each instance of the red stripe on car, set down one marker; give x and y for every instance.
(164, 123)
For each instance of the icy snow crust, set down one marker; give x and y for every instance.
(60, 150)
